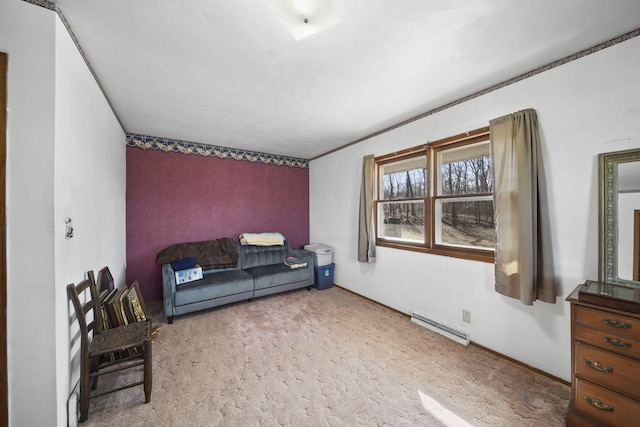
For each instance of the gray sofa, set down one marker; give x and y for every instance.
(259, 271)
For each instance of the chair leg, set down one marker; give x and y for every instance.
(85, 390)
(148, 375)
(93, 367)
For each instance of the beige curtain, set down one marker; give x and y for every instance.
(524, 262)
(366, 232)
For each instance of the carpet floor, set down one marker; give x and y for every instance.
(324, 358)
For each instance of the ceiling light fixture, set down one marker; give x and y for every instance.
(304, 18)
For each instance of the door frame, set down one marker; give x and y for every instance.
(4, 392)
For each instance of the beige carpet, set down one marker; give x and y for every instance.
(326, 358)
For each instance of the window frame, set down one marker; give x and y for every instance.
(396, 158)
(430, 151)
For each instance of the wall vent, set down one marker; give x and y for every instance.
(459, 336)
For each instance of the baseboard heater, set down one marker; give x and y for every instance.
(461, 337)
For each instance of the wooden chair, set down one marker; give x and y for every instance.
(133, 339)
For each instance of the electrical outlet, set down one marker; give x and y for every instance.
(466, 316)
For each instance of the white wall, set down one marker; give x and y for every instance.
(27, 36)
(585, 107)
(90, 188)
(65, 157)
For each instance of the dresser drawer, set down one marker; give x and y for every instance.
(608, 369)
(604, 405)
(610, 322)
(608, 341)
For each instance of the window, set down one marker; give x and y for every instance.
(401, 210)
(438, 198)
(464, 199)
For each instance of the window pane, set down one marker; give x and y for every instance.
(404, 179)
(402, 221)
(467, 223)
(465, 170)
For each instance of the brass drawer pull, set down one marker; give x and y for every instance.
(598, 366)
(599, 404)
(617, 342)
(617, 324)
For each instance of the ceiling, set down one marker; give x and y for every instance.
(229, 73)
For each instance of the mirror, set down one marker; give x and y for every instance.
(619, 174)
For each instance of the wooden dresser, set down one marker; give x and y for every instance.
(605, 363)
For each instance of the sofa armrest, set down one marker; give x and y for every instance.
(306, 256)
(168, 289)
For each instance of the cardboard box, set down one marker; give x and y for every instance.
(188, 275)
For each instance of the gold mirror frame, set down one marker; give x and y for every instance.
(608, 214)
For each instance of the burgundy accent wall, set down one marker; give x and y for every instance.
(174, 198)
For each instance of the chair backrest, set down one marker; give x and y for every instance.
(87, 288)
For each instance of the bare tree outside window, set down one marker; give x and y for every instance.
(438, 198)
(404, 187)
(464, 197)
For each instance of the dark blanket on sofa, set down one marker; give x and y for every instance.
(219, 253)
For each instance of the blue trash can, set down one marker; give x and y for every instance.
(323, 276)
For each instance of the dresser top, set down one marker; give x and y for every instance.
(626, 302)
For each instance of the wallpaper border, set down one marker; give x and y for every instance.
(43, 3)
(168, 145)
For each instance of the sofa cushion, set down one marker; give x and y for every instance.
(214, 285)
(253, 256)
(267, 276)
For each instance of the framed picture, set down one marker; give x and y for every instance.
(135, 307)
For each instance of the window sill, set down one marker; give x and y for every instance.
(471, 254)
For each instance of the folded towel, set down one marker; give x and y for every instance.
(262, 239)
